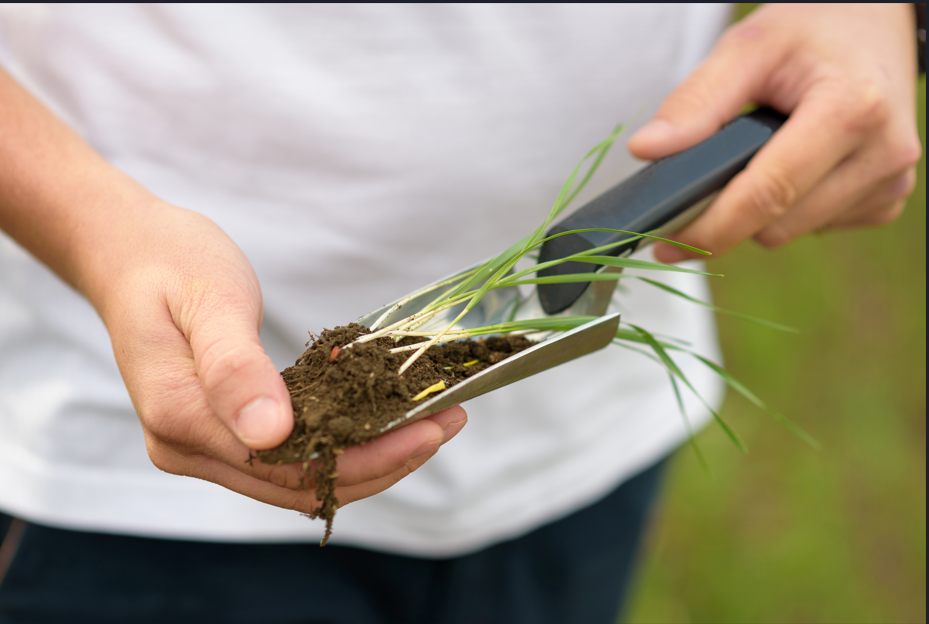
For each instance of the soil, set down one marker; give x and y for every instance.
(342, 397)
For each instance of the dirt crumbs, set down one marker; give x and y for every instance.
(342, 396)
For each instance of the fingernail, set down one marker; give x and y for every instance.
(654, 131)
(258, 418)
(669, 254)
(452, 428)
(426, 448)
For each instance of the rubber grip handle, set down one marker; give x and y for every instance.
(654, 197)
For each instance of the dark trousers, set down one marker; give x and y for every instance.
(573, 570)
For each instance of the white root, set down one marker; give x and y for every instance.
(403, 333)
(418, 319)
(386, 330)
(381, 332)
(446, 338)
(409, 298)
(422, 349)
(390, 311)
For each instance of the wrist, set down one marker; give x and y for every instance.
(58, 198)
(120, 238)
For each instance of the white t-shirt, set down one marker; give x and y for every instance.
(354, 153)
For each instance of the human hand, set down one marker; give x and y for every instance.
(846, 74)
(183, 309)
(184, 312)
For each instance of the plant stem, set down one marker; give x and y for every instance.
(446, 338)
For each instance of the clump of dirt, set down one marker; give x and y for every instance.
(342, 396)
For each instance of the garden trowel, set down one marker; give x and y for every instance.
(660, 199)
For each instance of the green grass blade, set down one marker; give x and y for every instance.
(690, 431)
(491, 272)
(757, 402)
(631, 263)
(568, 278)
(491, 282)
(465, 277)
(672, 340)
(629, 335)
(623, 334)
(626, 263)
(632, 236)
(552, 323)
(565, 195)
(680, 405)
(670, 364)
(744, 317)
(596, 163)
(619, 343)
(483, 271)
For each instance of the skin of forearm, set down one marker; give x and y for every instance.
(61, 200)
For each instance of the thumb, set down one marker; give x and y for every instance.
(711, 96)
(241, 383)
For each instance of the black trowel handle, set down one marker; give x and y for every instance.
(665, 195)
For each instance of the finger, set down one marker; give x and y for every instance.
(452, 420)
(176, 444)
(875, 217)
(880, 208)
(284, 486)
(350, 494)
(378, 458)
(216, 471)
(818, 135)
(304, 500)
(279, 490)
(712, 95)
(375, 459)
(388, 453)
(845, 196)
(875, 209)
(370, 461)
(240, 381)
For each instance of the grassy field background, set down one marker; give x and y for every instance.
(787, 533)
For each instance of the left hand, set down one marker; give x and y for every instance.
(846, 74)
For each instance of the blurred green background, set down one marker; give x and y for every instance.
(787, 533)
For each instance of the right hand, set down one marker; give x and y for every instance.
(184, 312)
(847, 155)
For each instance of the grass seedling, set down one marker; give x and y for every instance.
(469, 288)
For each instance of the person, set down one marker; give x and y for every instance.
(159, 163)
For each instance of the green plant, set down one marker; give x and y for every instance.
(499, 272)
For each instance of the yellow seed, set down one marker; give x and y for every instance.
(367, 426)
(436, 387)
(471, 363)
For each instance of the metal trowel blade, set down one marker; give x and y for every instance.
(562, 348)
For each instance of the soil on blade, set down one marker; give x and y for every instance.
(343, 397)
